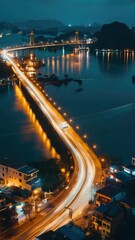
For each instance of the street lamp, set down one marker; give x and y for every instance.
(70, 212)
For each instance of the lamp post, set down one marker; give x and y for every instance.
(70, 212)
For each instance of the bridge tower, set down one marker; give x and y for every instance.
(32, 38)
(76, 36)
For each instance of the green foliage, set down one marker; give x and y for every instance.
(8, 219)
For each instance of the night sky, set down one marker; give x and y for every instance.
(69, 11)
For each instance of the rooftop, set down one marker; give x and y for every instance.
(130, 200)
(131, 166)
(35, 183)
(125, 177)
(109, 191)
(72, 232)
(51, 236)
(18, 166)
(9, 163)
(109, 210)
(27, 169)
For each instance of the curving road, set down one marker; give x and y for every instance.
(87, 167)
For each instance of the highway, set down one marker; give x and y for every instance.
(87, 167)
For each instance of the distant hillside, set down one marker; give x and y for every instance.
(8, 27)
(68, 35)
(115, 36)
(42, 24)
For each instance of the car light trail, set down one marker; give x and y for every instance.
(87, 166)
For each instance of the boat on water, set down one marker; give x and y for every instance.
(1, 35)
(20, 32)
(7, 34)
(83, 48)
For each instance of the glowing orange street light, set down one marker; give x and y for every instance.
(59, 108)
(85, 136)
(63, 170)
(94, 146)
(64, 114)
(70, 120)
(102, 159)
(77, 127)
(50, 99)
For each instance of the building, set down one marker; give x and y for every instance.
(124, 179)
(5, 202)
(51, 235)
(130, 169)
(24, 177)
(67, 232)
(106, 219)
(2, 202)
(129, 204)
(72, 232)
(109, 194)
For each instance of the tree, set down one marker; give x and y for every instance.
(8, 219)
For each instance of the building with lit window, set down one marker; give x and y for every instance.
(106, 219)
(124, 179)
(24, 177)
(109, 194)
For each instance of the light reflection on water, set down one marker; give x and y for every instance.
(111, 88)
(107, 85)
(49, 150)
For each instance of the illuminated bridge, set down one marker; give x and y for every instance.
(87, 168)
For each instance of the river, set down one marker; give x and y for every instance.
(103, 106)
